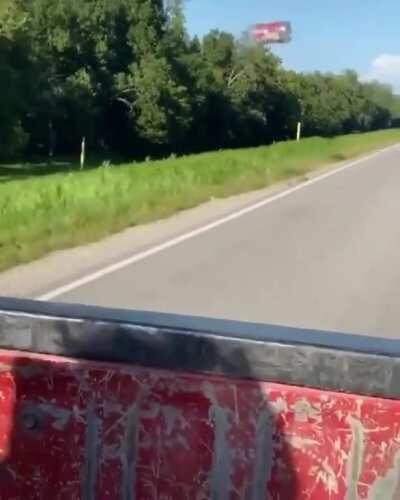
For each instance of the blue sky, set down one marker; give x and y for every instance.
(329, 35)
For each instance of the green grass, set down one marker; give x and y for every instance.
(42, 213)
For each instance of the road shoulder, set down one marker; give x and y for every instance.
(54, 270)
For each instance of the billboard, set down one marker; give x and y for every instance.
(274, 32)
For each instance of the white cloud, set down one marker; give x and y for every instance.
(386, 69)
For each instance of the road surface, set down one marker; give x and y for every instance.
(325, 256)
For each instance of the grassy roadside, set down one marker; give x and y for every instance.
(38, 215)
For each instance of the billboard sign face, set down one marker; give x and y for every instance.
(276, 32)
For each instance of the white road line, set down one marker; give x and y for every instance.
(196, 232)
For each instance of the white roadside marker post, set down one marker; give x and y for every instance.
(83, 151)
(298, 134)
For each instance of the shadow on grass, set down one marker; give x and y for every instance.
(39, 168)
(339, 157)
(13, 171)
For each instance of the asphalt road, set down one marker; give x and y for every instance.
(326, 256)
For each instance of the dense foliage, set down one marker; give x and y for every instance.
(126, 75)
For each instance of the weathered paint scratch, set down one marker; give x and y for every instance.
(61, 416)
(279, 406)
(388, 486)
(354, 464)
(128, 453)
(220, 474)
(304, 410)
(326, 475)
(172, 415)
(264, 456)
(302, 443)
(90, 469)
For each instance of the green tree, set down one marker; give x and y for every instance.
(158, 102)
(127, 75)
(14, 70)
(70, 47)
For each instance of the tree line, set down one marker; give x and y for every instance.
(126, 75)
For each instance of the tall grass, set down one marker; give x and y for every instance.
(38, 215)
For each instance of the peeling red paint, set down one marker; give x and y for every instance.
(89, 430)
